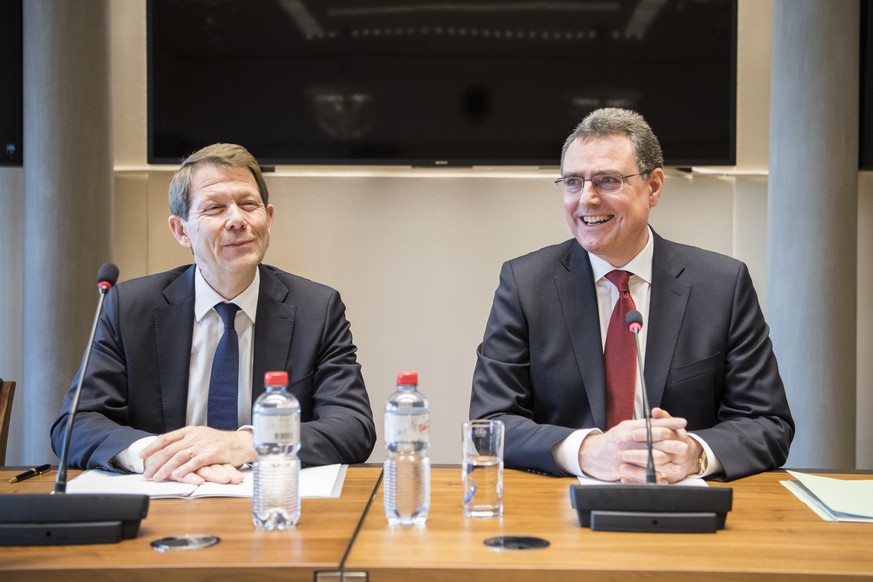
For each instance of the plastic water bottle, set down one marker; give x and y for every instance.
(276, 420)
(407, 466)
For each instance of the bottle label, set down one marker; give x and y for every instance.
(407, 428)
(276, 428)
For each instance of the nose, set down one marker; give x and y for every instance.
(236, 218)
(589, 196)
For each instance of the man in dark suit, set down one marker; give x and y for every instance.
(145, 404)
(719, 403)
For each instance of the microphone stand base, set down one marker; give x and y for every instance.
(652, 508)
(654, 522)
(51, 519)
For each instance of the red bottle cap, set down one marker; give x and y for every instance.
(276, 378)
(407, 378)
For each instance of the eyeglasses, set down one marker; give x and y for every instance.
(603, 183)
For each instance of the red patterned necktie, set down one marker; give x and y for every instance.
(620, 355)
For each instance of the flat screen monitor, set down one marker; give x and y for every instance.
(866, 82)
(11, 111)
(433, 83)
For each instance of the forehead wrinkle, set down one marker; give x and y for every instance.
(205, 175)
(593, 174)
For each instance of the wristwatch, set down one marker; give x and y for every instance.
(704, 463)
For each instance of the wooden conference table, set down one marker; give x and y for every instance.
(769, 535)
(317, 543)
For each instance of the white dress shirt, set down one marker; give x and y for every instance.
(208, 329)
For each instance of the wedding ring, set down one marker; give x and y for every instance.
(190, 453)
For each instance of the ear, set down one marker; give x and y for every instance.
(656, 183)
(177, 227)
(270, 210)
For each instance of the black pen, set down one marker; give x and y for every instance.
(32, 473)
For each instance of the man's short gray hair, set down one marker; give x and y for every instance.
(219, 154)
(611, 121)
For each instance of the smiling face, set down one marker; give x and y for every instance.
(227, 227)
(612, 226)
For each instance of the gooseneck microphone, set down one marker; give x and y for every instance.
(107, 276)
(650, 507)
(59, 518)
(634, 322)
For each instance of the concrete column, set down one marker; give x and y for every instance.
(812, 222)
(68, 184)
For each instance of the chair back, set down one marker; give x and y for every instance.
(7, 391)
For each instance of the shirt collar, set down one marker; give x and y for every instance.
(640, 265)
(205, 297)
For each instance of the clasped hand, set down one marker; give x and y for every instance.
(620, 454)
(196, 454)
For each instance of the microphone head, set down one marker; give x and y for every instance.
(634, 321)
(107, 276)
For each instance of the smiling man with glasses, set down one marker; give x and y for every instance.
(558, 365)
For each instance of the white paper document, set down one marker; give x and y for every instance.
(326, 481)
(834, 499)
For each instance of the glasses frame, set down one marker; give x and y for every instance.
(560, 183)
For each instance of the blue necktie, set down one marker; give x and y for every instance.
(222, 411)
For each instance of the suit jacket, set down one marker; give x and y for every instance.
(708, 359)
(137, 380)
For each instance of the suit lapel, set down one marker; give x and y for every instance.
(173, 332)
(578, 300)
(666, 310)
(273, 330)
